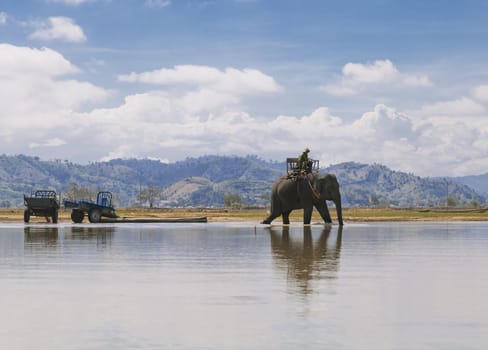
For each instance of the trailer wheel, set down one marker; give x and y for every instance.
(26, 216)
(77, 216)
(55, 216)
(94, 215)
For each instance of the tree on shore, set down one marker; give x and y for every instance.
(232, 200)
(74, 192)
(149, 195)
(452, 202)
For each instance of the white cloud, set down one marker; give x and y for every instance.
(206, 88)
(194, 110)
(170, 129)
(59, 28)
(385, 123)
(357, 76)
(453, 137)
(3, 18)
(377, 72)
(54, 142)
(25, 62)
(481, 93)
(157, 3)
(35, 93)
(460, 107)
(318, 124)
(246, 81)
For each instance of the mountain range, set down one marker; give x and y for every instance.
(206, 181)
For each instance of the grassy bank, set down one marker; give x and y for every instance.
(257, 215)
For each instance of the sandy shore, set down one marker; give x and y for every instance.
(257, 215)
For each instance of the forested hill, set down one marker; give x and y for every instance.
(128, 178)
(208, 181)
(364, 184)
(478, 182)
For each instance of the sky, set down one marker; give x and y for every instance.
(400, 83)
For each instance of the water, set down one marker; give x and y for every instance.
(241, 286)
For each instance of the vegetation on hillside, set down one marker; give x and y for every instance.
(364, 185)
(216, 181)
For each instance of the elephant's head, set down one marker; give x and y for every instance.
(327, 187)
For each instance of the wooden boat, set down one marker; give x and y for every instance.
(156, 220)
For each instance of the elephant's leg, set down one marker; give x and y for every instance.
(324, 211)
(307, 215)
(270, 218)
(275, 212)
(286, 217)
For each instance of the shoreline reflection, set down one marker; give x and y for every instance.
(103, 235)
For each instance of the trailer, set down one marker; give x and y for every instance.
(41, 203)
(95, 210)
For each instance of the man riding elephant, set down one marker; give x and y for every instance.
(303, 162)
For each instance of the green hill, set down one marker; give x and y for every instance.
(364, 184)
(215, 181)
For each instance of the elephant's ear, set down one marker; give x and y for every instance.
(317, 183)
(323, 183)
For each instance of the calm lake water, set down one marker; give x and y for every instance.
(244, 286)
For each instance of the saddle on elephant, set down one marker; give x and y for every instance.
(293, 169)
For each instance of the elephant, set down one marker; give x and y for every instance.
(305, 192)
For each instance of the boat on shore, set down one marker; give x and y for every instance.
(129, 220)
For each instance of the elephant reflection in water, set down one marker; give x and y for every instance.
(306, 260)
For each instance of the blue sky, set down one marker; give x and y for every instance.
(402, 83)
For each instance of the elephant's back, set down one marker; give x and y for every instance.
(281, 179)
(286, 184)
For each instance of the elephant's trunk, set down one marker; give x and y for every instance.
(338, 205)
